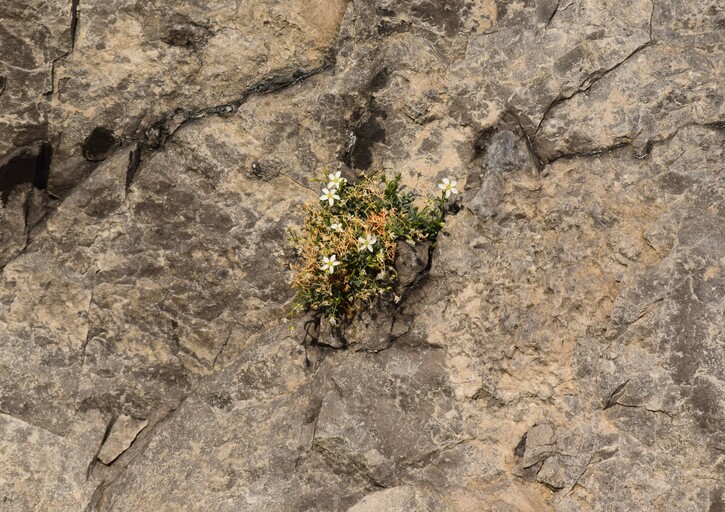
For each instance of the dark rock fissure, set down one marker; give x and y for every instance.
(482, 140)
(160, 131)
(369, 130)
(99, 144)
(593, 78)
(28, 165)
(73, 23)
(134, 161)
(539, 161)
(553, 13)
(109, 425)
(186, 33)
(614, 396)
(521, 447)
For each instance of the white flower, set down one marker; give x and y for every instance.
(335, 180)
(329, 264)
(367, 242)
(448, 186)
(329, 196)
(336, 226)
(333, 320)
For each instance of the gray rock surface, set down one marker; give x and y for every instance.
(563, 349)
(122, 434)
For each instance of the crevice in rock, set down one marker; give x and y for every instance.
(551, 18)
(594, 77)
(521, 447)
(106, 433)
(626, 141)
(123, 434)
(88, 334)
(160, 131)
(482, 140)
(221, 350)
(366, 131)
(73, 29)
(26, 168)
(73, 23)
(618, 391)
(134, 161)
(96, 500)
(666, 413)
(578, 478)
(99, 144)
(550, 486)
(29, 164)
(143, 438)
(347, 465)
(538, 160)
(587, 154)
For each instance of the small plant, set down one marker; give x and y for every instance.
(347, 247)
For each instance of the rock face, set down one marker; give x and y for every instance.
(563, 349)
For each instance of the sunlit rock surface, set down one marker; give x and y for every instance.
(562, 349)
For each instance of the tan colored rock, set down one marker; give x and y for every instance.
(122, 434)
(564, 351)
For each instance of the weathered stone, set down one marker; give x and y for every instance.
(399, 417)
(540, 441)
(370, 329)
(678, 90)
(42, 470)
(133, 64)
(564, 350)
(33, 36)
(410, 263)
(122, 434)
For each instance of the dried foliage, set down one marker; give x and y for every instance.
(347, 246)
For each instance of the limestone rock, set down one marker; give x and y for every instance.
(122, 434)
(410, 263)
(561, 350)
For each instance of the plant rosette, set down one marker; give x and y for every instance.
(347, 246)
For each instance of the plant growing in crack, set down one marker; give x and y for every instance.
(347, 247)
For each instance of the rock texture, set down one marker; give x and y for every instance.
(561, 348)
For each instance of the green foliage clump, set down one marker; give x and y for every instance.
(347, 246)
